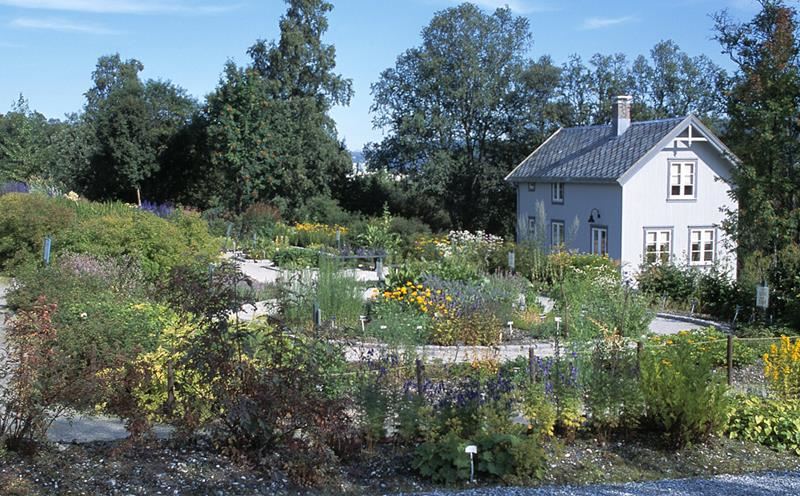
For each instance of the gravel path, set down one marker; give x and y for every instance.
(774, 483)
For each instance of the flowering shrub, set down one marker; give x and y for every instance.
(421, 297)
(162, 210)
(782, 368)
(13, 187)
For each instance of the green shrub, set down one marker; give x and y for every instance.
(713, 345)
(613, 397)
(339, 295)
(259, 217)
(506, 450)
(403, 324)
(684, 397)
(25, 220)
(773, 423)
(291, 257)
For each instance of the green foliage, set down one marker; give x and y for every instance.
(25, 220)
(395, 323)
(592, 300)
(773, 423)
(295, 258)
(104, 230)
(339, 295)
(613, 397)
(157, 244)
(684, 397)
(762, 105)
(713, 344)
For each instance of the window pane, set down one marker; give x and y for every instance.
(688, 190)
(676, 169)
(675, 190)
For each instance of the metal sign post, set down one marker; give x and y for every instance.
(762, 296)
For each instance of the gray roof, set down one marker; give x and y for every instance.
(592, 153)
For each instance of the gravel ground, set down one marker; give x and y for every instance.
(772, 483)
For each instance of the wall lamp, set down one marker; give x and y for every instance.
(591, 215)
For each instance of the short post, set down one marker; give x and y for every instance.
(170, 386)
(531, 365)
(317, 316)
(379, 269)
(339, 239)
(729, 359)
(639, 348)
(471, 450)
(420, 373)
(46, 255)
(512, 262)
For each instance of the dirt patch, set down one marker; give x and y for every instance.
(161, 467)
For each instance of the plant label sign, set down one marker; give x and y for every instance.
(762, 296)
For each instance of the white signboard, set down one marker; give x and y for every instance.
(762, 296)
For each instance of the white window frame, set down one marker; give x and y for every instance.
(598, 242)
(662, 235)
(706, 254)
(557, 231)
(531, 226)
(557, 192)
(682, 174)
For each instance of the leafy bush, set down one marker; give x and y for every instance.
(295, 258)
(684, 397)
(25, 220)
(101, 229)
(713, 343)
(591, 298)
(44, 380)
(613, 397)
(506, 450)
(773, 423)
(395, 323)
(260, 217)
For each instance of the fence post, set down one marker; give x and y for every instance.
(531, 365)
(420, 373)
(730, 359)
(170, 386)
(639, 347)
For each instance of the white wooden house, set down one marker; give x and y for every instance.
(635, 191)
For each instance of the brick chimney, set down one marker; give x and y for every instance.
(621, 114)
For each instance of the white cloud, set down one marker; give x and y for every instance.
(605, 22)
(63, 25)
(518, 6)
(119, 6)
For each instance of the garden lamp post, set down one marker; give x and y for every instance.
(471, 450)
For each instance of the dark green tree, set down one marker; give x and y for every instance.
(452, 106)
(131, 123)
(270, 134)
(763, 105)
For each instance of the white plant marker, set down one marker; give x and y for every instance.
(363, 320)
(471, 450)
(510, 329)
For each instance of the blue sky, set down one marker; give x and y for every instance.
(48, 48)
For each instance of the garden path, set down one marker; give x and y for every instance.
(780, 483)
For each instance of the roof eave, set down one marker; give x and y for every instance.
(517, 180)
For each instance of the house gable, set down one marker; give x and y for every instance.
(697, 132)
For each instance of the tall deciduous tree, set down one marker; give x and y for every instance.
(131, 122)
(763, 104)
(269, 128)
(24, 138)
(452, 105)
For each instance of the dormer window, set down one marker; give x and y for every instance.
(682, 181)
(558, 192)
